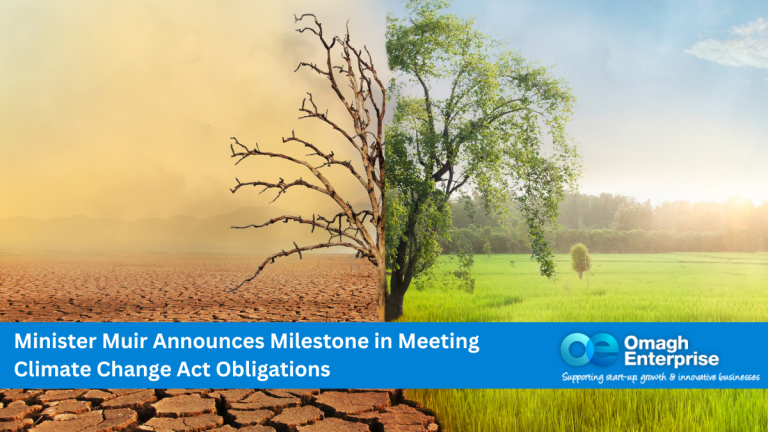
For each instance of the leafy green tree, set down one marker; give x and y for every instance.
(634, 215)
(580, 259)
(581, 211)
(471, 116)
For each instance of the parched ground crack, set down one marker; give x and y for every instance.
(248, 410)
(108, 288)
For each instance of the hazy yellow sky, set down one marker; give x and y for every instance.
(124, 109)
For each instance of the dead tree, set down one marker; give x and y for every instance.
(364, 101)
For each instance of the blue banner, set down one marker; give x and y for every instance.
(383, 355)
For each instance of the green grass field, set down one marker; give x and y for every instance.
(622, 287)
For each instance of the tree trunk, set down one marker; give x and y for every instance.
(382, 291)
(395, 303)
(580, 272)
(402, 271)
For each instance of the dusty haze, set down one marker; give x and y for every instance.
(124, 110)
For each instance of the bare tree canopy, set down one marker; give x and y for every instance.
(357, 86)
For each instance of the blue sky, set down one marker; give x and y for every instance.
(672, 96)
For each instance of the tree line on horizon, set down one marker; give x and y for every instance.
(608, 223)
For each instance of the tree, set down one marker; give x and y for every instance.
(364, 103)
(634, 215)
(487, 248)
(480, 119)
(580, 259)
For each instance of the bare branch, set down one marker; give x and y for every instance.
(312, 222)
(365, 107)
(298, 250)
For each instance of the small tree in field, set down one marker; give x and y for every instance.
(359, 90)
(487, 237)
(580, 259)
(487, 249)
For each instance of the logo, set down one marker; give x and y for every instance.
(601, 349)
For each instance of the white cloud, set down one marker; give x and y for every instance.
(748, 48)
(758, 27)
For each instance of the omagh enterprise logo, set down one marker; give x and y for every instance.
(601, 349)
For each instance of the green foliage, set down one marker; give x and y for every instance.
(395, 220)
(633, 215)
(431, 226)
(502, 240)
(594, 212)
(466, 260)
(638, 241)
(471, 115)
(459, 277)
(591, 212)
(464, 213)
(612, 241)
(733, 213)
(582, 211)
(487, 248)
(580, 259)
(734, 225)
(487, 232)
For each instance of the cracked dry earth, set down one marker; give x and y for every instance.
(159, 287)
(215, 410)
(136, 287)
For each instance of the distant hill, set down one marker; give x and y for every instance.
(176, 234)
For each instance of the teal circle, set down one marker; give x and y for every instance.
(565, 349)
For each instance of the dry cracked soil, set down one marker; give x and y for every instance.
(186, 288)
(191, 410)
(158, 287)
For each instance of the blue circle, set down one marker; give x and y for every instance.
(589, 349)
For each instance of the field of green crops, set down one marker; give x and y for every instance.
(622, 287)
